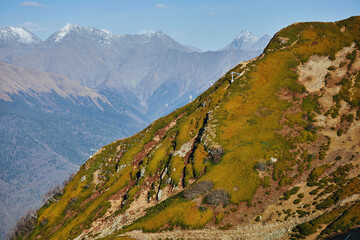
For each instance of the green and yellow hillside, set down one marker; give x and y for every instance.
(277, 149)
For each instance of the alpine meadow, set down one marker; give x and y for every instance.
(271, 152)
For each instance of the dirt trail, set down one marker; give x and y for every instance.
(253, 231)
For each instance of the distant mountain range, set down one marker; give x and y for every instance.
(82, 88)
(146, 65)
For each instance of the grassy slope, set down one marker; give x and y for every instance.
(247, 117)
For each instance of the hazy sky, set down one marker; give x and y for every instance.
(207, 24)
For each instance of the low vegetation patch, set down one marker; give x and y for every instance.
(290, 192)
(217, 197)
(198, 189)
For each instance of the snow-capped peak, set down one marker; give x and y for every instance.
(150, 34)
(69, 28)
(106, 31)
(18, 34)
(245, 41)
(246, 36)
(160, 34)
(64, 31)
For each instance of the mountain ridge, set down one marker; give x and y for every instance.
(20, 34)
(248, 41)
(15, 80)
(276, 146)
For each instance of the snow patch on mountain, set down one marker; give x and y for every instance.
(64, 31)
(69, 28)
(19, 34)
(246, 36)
(248, 41)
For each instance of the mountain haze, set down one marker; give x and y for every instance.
(128, 63)
(17, 80)
(272, 154)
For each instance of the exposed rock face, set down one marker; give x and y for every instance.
(312, 73)
(159, 195)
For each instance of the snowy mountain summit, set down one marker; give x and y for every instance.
(248, 41)
(71, 30)
(64, 31)
(17, 35)
(246, 37)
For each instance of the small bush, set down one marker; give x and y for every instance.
(290, 192)
(310, 104)
(351, 56)
(226, 227)
(216, 155)
(44, 222)
(315, 174)
(202, 209)
(328, 202)
(217, 197)
(198, 189)
(329, 188)
(340, 132)
(302, 213)
(219, 217)
(350, 118)
(301, 195)
(24, 226)
(334, 112)
(261, 166)
(53, 194)
(265, 182)
(306, 229)
(342, 64)
(73, 200)
(314, 192)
